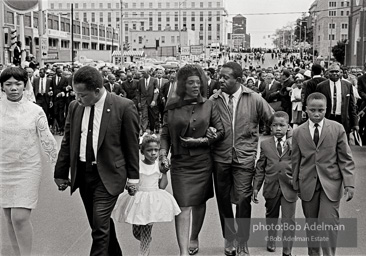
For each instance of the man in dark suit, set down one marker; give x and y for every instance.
(341, 106)
(112, 86)
(130, 87)
(161, 81)
(167, 87)
(17, 53)
(310, 86)
(212, 85)
(361, 82)
(41, 88)
(59, 84)
(100, 147)
(261, 82)
(147, 97)
(285, 98)
(271, 94)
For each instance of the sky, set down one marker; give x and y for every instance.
(260, 26)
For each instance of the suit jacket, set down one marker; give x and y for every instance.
(60, 87)
(361, 83)
(164, 90)
(131, 89)
(160, 98)
(117, 89)
(331, 161)
(118, 148)
(17, 55)
(271, 95)
(309, 87)
(147, 95)
(260, 87)
(37, 88)
(285, 97)
(348, 108)
(275, 170)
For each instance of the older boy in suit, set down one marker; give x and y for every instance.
(322, 163)
(274, 166)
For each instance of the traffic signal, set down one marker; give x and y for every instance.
(179, 49)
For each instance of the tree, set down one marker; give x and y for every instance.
(339, 51)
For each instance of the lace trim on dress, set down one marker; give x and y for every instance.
(47, 140)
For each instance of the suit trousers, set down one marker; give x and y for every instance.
(321, 209)
(42, 102)
(59, 114)
(99, 204)
(288, 210)
(153, 115)
(233, 184)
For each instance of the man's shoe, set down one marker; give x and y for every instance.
(230, 249)
(284, 254)
(242, 249)
(271, 246)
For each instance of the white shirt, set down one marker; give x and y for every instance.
(282, 142)
(270, 85)
(236, 97)
(312, 128)
(42, 85)
(98, 111)
(339, 96)
(160, 82)
(147, 81)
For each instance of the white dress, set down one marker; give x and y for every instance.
(24, 132)
(149, 204)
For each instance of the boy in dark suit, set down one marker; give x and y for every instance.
(322, 165)
(274, 166)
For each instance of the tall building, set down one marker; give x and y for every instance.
(356, 47)
(330, 24)
(206, 16)
(239, 36)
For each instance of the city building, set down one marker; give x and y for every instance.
(330, 24)
(87, 36)
(205, 16)
(239, 37)
(356, 46)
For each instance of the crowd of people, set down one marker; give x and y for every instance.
(202, 125)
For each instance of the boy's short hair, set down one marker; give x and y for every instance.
(280, 114)
(316, 96)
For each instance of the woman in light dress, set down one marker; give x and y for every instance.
(24, 134)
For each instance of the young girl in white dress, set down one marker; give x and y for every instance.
(148, 202)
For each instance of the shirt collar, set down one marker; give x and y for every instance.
(235, 94)
(100, 102)
(311, 124)
(316, 76)
(283, 139)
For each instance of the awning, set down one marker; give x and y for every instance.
(129, 53)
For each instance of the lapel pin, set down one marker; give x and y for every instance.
(108, 110)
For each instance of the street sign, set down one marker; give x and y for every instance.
(196, 49)
(44, 47)
(185, 50)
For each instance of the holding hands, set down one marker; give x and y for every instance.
(62, 184)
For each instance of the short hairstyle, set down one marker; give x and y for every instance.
(187, 71)
(148, 138)
(316, 96)
(16, 72)
(235, 67)
(90, 77)
(279, 114)
(316, 69)
(286, 73)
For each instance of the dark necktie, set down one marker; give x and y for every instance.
(42, 89)
(89, 142)
(316, 134)
(231, 105)
(335, 99)
(279, 148)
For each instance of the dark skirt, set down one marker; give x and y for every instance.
(192, 179)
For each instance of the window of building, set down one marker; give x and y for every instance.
(332, 4)
(176, 4)
(126, 27)
(142, 5)
(126, 15)
(159, 5)
(126, 5)
(76, 16)
(193, 26)
(101, 17)
(344, 26)
(347, 3)
(109, 17)
(209, 27)
(184, 4)
(163, 39)
(159, 16)
(67, 25)
(342, 13)
(134, 26)
(109, 5)
(176, 16)
(209, 37)
(76, 6)
(84, 6)
(331, 37)
(331, 25)
(167, 5)
(332, 13)
(342, 4)
(150, 5)
(201, 16)
(218, 27)
(159, 27)
(176, 27)
(218, 16)
(101, 5)
(141, 14)
(209, 16)
(347, 13)
(209, 4)
(140, 39)
(201, 27)
(52, 6)
(184, 17)
(133, 5)
(167, 19)
(65, 44)
(193, 18)
(118, 16)
(117, 5)
(60, 5)
(201, 37)
(344, 37)
(85, 18)
(193, 4)
(201, 4)
(217, 4)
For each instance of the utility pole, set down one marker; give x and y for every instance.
(112, 44)
(72, 34)
(40, 31)
(330, 42)
(363, 34)
(121, 33)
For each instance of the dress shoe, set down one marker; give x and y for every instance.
(271, 246)
(284, 254)
(193, 247)
(230, 249)
(242, 249)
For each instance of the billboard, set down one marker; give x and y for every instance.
(196, 49)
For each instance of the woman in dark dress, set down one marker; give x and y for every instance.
(190, 126)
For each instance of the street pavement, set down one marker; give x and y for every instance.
(61, 228)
